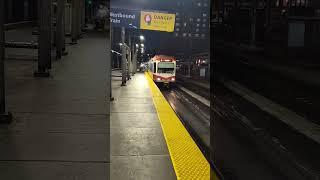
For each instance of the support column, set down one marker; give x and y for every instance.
(268, 13)
(10, 10)
(111, 45)
(218, 10)
(236, 22)
(64, 50)
(80, 11)
(74, 23)
(92, 12)
(124, 57)
(253, 23)
(83, 20)
(4, 118)
(129, 58)
(223, 9)
(59, 27)
(134, 60)
(26, 10)
(44, 38)
(111, 62)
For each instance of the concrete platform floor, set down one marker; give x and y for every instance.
(138, 148)
(61, 123)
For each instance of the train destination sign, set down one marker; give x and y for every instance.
(157, 21)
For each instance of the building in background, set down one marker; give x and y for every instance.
(282, 29)
(192, 19)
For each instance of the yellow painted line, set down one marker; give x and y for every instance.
(187, 159)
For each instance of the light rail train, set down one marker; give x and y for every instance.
(162, 69)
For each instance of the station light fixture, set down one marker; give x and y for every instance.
(142, 45)
(141, 37)
(137, 45)
(120, 44)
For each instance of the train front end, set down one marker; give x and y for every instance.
(164, 70)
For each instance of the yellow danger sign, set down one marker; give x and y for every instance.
(157, 21)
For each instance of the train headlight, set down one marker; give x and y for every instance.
(158, 79)
(173, 79)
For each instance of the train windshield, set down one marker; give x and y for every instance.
(165, 67)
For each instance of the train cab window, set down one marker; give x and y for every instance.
(166, 67)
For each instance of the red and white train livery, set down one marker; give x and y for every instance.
(162, 69)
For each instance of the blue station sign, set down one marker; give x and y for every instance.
(125, 18)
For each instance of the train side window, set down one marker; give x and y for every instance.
(154, 67)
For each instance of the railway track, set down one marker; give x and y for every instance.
(281, 147)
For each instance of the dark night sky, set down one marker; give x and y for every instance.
(162, 5)
(164, 42)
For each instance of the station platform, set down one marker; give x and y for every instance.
(60, 126)
(148, 141)
(138, 148)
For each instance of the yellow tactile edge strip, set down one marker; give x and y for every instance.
(187, 159)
